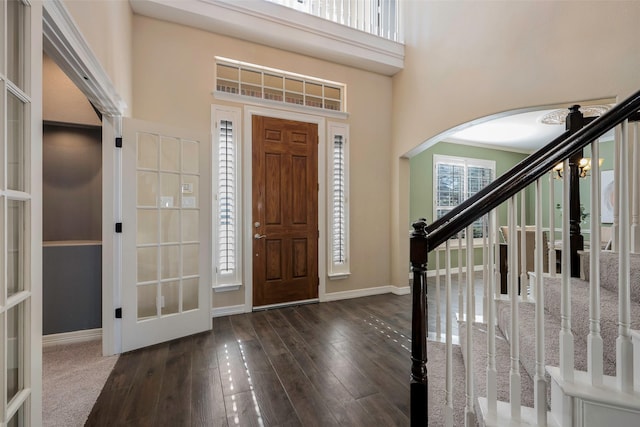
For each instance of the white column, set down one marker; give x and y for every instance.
(540, 385)
(552, 226)
(594, 340)
(491, 323)
(624, 347)
(448, 409)
(635, 192)
(514, 371)
(566, 336)
(469, 419)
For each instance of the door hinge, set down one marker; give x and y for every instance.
(118, 142)
(118, 227)
(119, 313)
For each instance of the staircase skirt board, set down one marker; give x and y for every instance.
(503, 418)
(591, 406)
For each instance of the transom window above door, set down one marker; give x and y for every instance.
(254, 81)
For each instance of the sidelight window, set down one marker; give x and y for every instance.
(226, 198)
(338, 200)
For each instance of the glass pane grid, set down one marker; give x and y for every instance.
(170, 177)
(457, 181)
(275, 85)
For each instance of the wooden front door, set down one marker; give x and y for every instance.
(285, 211)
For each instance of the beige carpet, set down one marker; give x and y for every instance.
(73, 376)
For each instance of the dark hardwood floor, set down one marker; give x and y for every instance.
(338, 363)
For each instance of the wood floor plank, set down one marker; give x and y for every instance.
(208, 408)
(340, 402)
(338, 363)
(309, 404)
(174, 402)
(145, 390)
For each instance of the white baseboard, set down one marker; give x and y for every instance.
(71, 337)
(228, 311)
(358, 293)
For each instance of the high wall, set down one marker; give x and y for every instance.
(106, 26)
(468, 60)
(174, 76)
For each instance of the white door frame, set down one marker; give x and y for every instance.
(247, 190)
(66, 45)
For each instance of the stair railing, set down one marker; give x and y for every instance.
(427, 238)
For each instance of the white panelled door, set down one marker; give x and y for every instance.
(166, 234)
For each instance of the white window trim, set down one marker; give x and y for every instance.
(463, 161)
(337, 270)
(233, 281)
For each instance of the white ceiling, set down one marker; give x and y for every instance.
(522, 132)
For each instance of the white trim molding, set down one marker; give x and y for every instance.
(283, 28)
(229, 310)
(73, 337)
(366, 292)
(65, 44)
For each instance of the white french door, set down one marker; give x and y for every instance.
(20, 229)
(166, 213)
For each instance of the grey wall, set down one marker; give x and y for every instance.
(72, 291)
(72, 183)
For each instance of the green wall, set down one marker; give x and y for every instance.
(421, 186)
(421, 182)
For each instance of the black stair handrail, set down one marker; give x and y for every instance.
(528, 171)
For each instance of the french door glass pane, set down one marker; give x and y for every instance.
(15, 40)
(15, 246)
(14, 351)
(15, 142)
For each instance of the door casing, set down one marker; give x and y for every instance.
(247, 191)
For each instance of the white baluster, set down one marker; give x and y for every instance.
(438, 330)
(552, 226)
(594, 340)
(469, 419)
(635, 192)
(540, 385)
(616, 190)
(496, 255)
(448, 409)
(491, 323)
(485, 269)
(566, 336)
(524, 282)
(460, 282)
(514, 338)
(624, 353)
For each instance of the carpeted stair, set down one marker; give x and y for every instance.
(579, 327)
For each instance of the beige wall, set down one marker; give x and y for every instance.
(106, 26)
(173, 76)
(467, 60)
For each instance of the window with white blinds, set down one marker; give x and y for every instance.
(227, 197)
(339, 201)
(455, 180)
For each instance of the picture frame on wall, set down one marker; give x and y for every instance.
(607, 196)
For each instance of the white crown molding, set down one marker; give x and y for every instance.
(281, 27)
(65, 44)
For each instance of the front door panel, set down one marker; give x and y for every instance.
(285, 211)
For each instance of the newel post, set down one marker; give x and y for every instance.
(419, 382)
